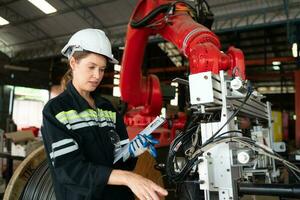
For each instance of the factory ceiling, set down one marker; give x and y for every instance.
(264, 29)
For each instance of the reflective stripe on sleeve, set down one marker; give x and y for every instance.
(68, 146)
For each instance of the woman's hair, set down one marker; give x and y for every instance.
(68, 76)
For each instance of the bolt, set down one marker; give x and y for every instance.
(205, 77)
(161, 165)
(223, 192)
(228, 170)
(201, 182)
(208, 153)
(198, 99)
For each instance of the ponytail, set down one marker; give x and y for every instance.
(65, 79)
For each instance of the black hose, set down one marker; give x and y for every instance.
(282, 190)
(165, 8)
(39, 186)
(180, 141)
(143, 22)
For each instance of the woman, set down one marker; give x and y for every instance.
(82, 130)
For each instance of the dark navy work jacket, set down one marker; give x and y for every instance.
(80, 143)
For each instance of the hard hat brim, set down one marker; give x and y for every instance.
(110, 59)
(113, 60)
(92, 40)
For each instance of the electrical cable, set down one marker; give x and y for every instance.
(249, 92)
(165, 8)
(177, 142)
(143, 22)
(217, 138)
(258, 148)
(264, 150)
(39, 186)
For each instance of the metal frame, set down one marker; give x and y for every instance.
(282, 12)
(86, 14)
(219, 171)
(287, 11)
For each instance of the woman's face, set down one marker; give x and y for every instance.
(88, 72)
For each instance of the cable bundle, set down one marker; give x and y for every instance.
(176, 174)
(39, 186)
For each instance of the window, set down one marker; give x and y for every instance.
(28, 105)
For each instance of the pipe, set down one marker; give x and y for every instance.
(282, 190)
(297, 107)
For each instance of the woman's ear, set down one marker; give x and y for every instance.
(72, 62)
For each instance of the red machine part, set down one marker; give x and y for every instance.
(196, 42)
(165, 134)
(34, 130)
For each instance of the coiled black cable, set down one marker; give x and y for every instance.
(39, 186)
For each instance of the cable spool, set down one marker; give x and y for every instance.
(33, 170)
(32, 179)
(39, 186)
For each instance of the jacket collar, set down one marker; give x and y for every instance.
(80, 104)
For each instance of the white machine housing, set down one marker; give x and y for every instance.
(220, 169)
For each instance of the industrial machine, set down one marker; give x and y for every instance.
(225, 148)
(228, 143)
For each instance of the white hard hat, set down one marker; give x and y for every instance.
(93, 40)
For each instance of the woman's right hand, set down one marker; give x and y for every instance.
(143, 188)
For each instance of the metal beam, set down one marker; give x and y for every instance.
(29, 28)
(257, 11)
(269, 61)
(7, 2)
(86, 14)
(233, 21)
(247, 62)
(5, 48)
(297, 107)
(75, 5)
(54, 50)
(59, 12)
(270, 76)
(217, 5)
(269, 83)
(63, 36)
(37, 33)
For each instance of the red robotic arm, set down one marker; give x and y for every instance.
(174, 23)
